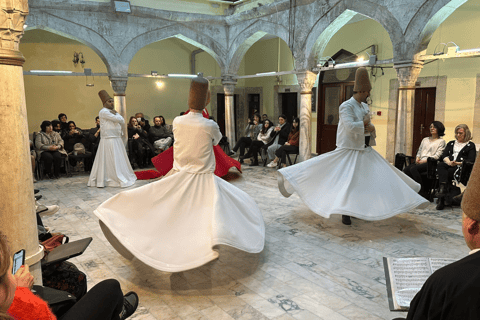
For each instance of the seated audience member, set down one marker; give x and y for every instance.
(94, 137)
(263, 139)
(143, 122)
(33, 156)
(291, 145)
(136, 136)
(451, 292)
(74, 135)
(430, 147)
(49, 146)
(62, 117)
(456, 151)
(57, 127)
(103, 302)
(160, 134)
(264, 117)
(182, 113)
(279, 136)
(251, 132)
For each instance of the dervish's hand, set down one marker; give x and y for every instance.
(366, 119)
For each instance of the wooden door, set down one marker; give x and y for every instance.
(253, 104)
(289, 105)
(330, 99)
(423, 116)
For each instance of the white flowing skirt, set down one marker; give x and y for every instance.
(358, 183)
(174, 223)
(111, 167)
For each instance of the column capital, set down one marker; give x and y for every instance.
(12, 19)
(119, 85)
(229, 83)
(306, 80)
(407, 73)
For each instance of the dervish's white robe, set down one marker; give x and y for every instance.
(111, 167)
(174, 223)
(353, 179)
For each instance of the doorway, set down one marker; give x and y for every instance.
(221, 111)
(289, 105)
(253, 100)
(332, 96)
(423, 115)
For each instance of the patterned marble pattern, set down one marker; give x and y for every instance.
(311, 268)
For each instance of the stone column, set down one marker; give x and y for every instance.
(229, 88)
(17, 206)
(407, 74)
(306, 80)
(119, 85)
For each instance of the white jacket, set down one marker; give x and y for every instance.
(265, 138)
(111, 124)
(351, 130)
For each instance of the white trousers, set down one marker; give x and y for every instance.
(271, 150)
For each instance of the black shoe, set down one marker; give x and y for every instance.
(346, 220)
(240, 160)
(231, 153)
(35, 191)
(441, 204)
(38, 197)
(254, 163)
(130, 304)
(441, 190)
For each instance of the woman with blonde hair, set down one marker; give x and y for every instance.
(104, 301)
(458, 150)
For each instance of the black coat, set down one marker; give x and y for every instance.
(283, 134)
(450, 293)
(467, 153)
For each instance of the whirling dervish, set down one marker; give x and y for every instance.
(354, 179)
(188, 212)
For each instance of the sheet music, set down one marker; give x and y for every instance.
(407, 276)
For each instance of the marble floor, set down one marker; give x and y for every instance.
(311, 268)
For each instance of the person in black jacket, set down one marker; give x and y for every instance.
(94, 137)
(456, 151)
(279, 135)
(136, 136)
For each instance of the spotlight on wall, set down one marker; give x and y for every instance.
(160, 84)
(89, 78)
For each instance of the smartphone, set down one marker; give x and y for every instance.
(18, 260)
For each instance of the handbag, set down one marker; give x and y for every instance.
(79, 148)
(59, 301)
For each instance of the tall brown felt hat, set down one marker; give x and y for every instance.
(362, 81)
(104, 96)
(198, 93)
(471, 197)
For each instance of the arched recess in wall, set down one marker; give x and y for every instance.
(166, 96)
(353, 38)
(199, 40)
(245, 38)
(47, 96)
(456, 80)
(426, 22)
(328, 25)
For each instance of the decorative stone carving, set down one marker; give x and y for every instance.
(119, 85)
(306, 80)
(408, 74)
(12, 19)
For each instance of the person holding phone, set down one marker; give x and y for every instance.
(251, 133)
(103, 302)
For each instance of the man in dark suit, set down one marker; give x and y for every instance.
(453, 292)
(279, 137)
(94, 137)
